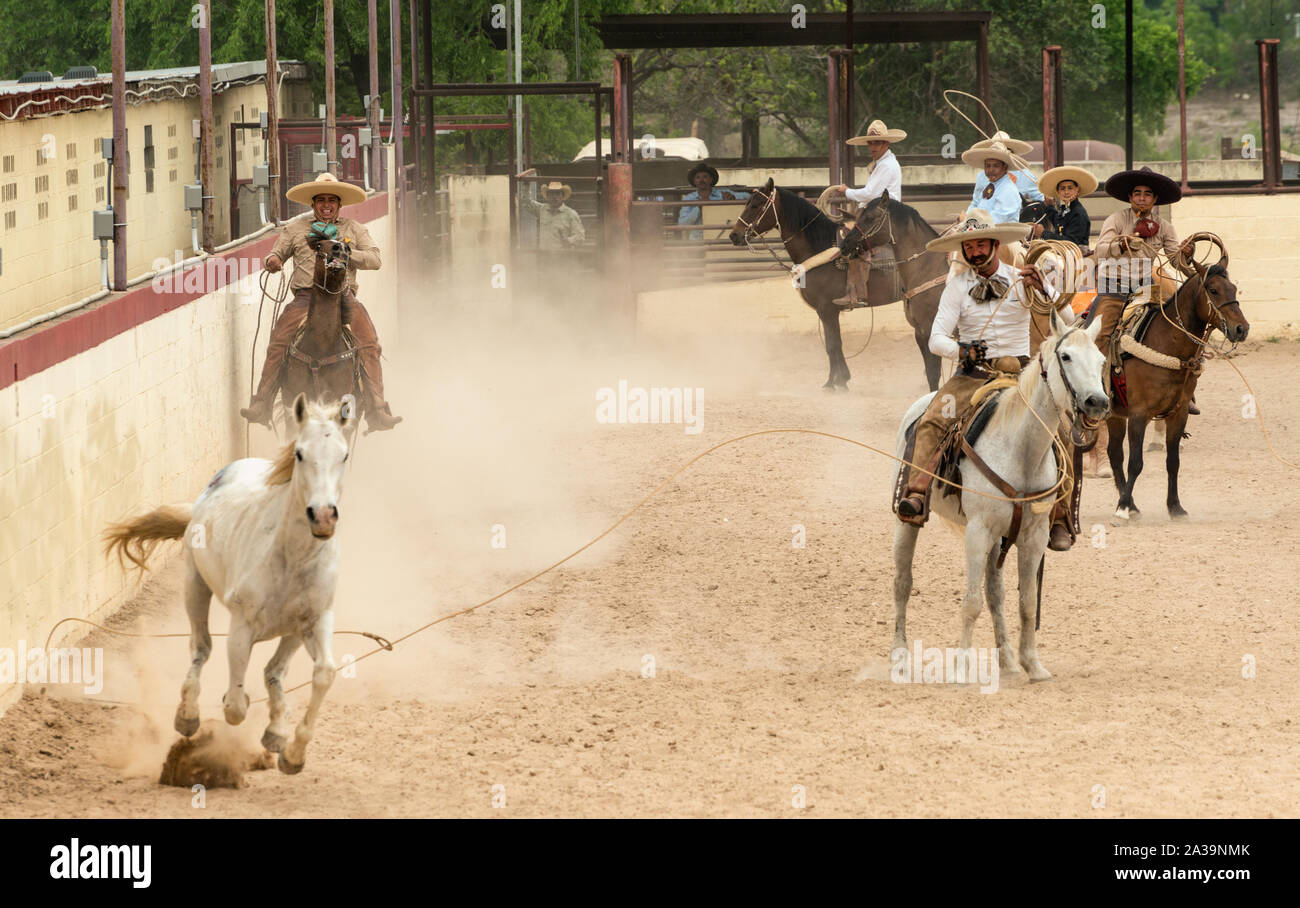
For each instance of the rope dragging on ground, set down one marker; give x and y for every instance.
(387, 646)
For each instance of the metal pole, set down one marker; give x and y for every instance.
(272, 112)
(982, 76)
(519, 77)
(621, 124)
(372, 27)
(834, 140)
(848, 24)
(1053, 143)
(430, 136)
(208, 142)
(577, 46)
(399, 167)
(1182, 95)
(331, 130)
(417, 134)
(120, 162)
(1128, 84)
(1268, 112)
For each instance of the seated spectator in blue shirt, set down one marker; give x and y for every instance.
(705, 180)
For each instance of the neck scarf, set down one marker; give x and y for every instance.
(986, 289)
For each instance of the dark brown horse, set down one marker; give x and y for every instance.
(1207, 300)
(322, 361)
(805, 231)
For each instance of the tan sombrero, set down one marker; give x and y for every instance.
(1048, 182)
(976, 224)
(557, 187)
(1015, 146)
(878, 132)
(327, 184)
(976, 156)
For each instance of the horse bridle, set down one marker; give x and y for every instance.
(1079, 419)
(333, 259)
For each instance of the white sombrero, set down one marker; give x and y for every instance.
(1015, 146)
(977, 155)
(1048, 182)
(878, 132)
(977, 224)
(327, 184)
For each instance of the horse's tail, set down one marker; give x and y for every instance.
(136, 538)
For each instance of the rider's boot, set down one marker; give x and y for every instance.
(1059, 540)
(855, 284)
(1192, 409)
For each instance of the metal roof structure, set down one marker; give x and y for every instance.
(774, 30)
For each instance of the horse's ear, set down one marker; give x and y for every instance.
(884, 196)
(771, 181)
(347, 410)
(1058, 326)
(300, 408)
(1094, 330)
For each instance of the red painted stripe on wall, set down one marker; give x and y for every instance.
(48, 345)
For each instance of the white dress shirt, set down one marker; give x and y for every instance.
(964, 317)
(885, 174)
(1004, 205)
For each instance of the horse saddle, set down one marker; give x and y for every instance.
(968, 426)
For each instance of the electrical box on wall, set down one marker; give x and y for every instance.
(261, 175)
(193, 196)
(318, 162)
(103, 221)
(363, 135)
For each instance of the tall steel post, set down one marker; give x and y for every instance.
(273, 112)
(208, 139)
(372, 115)
(1268, 112)
(121, 161)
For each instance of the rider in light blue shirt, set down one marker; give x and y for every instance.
(998, 195)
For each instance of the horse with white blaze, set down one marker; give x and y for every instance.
(261, 537)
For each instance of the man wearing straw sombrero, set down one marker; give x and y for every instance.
(326, 195)
(983, 322)
(1067, 219)
(1026, 184)
(558, 225)
(884, 175)
(999, 195)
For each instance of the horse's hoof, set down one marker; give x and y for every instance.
(274, 742)
(1122, 513)
(1177, 512)
(184, 726)
(289, 769)
(1040, 674)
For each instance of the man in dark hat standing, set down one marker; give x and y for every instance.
(1130, 239)
(705, 180)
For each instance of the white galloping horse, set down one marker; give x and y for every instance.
(261, 536)
(1019, 450)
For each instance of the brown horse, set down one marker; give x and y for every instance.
(323, 361)
(1207, 300)
(805, 231)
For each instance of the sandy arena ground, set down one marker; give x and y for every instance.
(771, 661)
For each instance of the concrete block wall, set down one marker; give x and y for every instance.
(143, 417)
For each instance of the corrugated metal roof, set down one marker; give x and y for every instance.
(221, 72)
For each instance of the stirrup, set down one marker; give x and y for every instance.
(845, 302)
(911, 506)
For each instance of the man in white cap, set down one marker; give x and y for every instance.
(883, 175)
(999, 196)
(326, 195)
(1026, 185)
(983, 307)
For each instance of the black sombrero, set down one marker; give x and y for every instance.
(702, 167)
(1121, 185)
